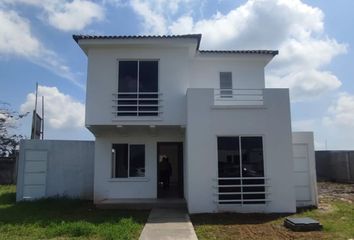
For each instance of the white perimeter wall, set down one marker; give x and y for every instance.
(50, 168)
(205, 123)
(146, 187)
(304, 169)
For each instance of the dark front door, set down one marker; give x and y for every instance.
(170, 170)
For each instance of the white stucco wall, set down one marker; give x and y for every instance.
(247, 71)
(102, 82)
(304, 169)
(179, 69)
(66, 169)
(205, 123)
(146, 187)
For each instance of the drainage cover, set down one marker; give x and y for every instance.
(302, 224)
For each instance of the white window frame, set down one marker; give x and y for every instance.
(226, 92)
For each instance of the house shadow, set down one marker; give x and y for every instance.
(236, 218)
(61, 210)
(7, 198)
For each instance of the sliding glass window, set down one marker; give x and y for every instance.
(138, 88)
(128, 160)
(241, 170)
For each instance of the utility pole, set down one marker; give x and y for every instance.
(34, 119)
(35, 104)
(42, 118)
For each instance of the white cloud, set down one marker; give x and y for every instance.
(303, 125)
(153, 21)
(291, 26)
(156, 15)
(66, 15)
(15, 35)
(341, 112)
(306, 84)
(61, 110)
(75, 15)
(16, 38)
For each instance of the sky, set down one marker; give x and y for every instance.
(314, 38)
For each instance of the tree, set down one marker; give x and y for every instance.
(9, 120)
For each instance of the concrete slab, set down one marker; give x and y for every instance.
(142, 203)
(166, 224)
(302, 224)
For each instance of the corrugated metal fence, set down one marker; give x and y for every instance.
(8, 170)
(337, 166)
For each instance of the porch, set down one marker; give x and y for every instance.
(142, 203)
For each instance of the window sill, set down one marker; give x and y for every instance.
(136, 118)
(237, 107)
(132, 179)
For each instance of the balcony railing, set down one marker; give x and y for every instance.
(245, 190)
(137, 104)
(238, 97)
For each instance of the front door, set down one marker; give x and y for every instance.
(170, 170)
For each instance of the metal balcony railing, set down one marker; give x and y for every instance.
(238, 97)
(242, 190)
(137, 104)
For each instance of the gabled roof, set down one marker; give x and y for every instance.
(192, 36)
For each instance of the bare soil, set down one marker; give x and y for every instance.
(335, 191)
(336, 205)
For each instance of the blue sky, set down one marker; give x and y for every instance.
(314, 38)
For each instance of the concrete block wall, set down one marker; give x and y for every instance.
(337, 166)
(65, 170)
(8, 170)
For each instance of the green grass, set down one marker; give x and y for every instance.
(337, 221)
(59, 218)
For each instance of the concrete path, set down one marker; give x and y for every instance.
(166, 224)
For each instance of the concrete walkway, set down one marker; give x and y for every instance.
(168, 224)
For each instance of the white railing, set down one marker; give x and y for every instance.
(244, 187)
(137, 104)
(238, 97)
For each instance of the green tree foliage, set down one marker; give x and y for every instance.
(9, 120)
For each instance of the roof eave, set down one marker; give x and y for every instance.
(78, 38)
(240, 52)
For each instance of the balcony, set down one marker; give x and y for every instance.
(238, 97)
(137, 104)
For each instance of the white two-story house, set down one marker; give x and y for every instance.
(227, 139)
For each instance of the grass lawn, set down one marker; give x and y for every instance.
(335, 214)
(64, 219)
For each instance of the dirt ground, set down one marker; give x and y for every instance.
(334, 191)
(335, 212)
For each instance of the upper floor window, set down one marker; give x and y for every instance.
(138, 76)
(225, 84)
(138, 88)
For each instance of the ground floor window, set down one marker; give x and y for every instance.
(128, 160)
(241, 170)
